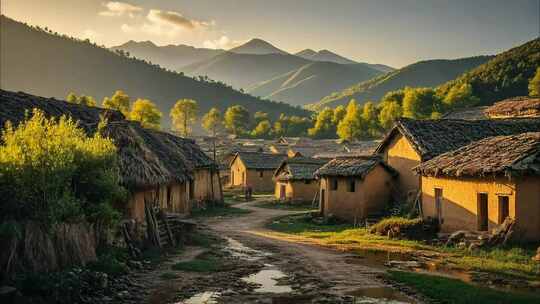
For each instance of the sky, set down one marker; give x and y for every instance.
(392, 32)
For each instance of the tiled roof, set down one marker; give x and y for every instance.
(433, 137)
(498, 155)
(299, 168)
(352, 166)
(517, 107)
(258, 160)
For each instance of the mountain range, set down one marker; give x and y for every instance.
(428, 73)
(41, 63)
(262, 69)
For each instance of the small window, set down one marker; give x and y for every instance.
(261, 174)
(352, 185)
(333, 184)
(504, 209)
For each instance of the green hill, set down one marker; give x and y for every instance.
(41, 63)
(429, 73)
(313, 81)
(506, 75)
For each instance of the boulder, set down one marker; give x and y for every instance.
(456, 237)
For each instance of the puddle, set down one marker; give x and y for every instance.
(241, 251)
(375, 258)
(296, 299)
(268, 281)
(380, 295)
(207, 297)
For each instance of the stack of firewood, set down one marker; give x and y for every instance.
(502, 234)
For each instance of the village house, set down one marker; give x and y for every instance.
(255, 169)
(355, 188)
(295, 179)
(478, 186)
(154, 166)
(411, 142)
(515, 107)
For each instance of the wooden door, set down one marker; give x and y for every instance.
(282, 192)
(321, 201)
(482, 216)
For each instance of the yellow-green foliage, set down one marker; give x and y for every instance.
(404, 225)
(52, 171)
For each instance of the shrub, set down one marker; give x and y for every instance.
(412, 228)
(51, 171)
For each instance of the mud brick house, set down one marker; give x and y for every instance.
(411, 142)
(354, 188)
(515, 107)
(477, 186)
(157, 166)
(295, 179)
(255, 169)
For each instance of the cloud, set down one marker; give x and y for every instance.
(117, 9)
(175, 20)
(223, 42)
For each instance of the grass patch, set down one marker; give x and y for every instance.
(285, 206)
(200, 264)
(445, 290)
(169, 276)
(203, 240)
(303, 224)
(110, 260)
(221, 210)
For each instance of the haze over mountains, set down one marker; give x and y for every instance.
(41, 63)
(262, 69)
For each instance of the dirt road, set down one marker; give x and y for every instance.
(327, 265)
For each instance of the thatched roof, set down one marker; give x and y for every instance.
(430, 138)
(474, 113)
(499, 155)
(358, 166)
(298, 168)
(146, 157)
(522, 106)
(259, 160)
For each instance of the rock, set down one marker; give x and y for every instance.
(122, 294)
(456, 237)
(462, 245)
(475, 245)
(404, 264)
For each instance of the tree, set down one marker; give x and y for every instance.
(72, 98)
(260, 116)
(369, 118)
(534, 84)
(211, 121)
(324, 124)
(460, 96)
(84, 100)
(351, 126)
(390, 111)
(419, 103)
(339, 113)
(52, 171)
(183, 115)
(120, 101)
(146, 112)
(237, 119)
(262, 130)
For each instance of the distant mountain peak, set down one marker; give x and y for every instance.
(324, 55)
(257, 46)
(306, 53)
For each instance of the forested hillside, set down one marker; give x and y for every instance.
(506, 75)
(429, 73)
(46, 64)
(313, 81)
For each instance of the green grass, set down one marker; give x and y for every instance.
(200, 264)
(285, 206)
(215, 211)
(446, 290)
(512, 261)
(203, 240)
(169, 276)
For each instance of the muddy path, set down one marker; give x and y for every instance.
(335, 273)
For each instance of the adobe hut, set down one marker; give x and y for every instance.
(478, 186)
(153, 165)
(354, 188)
(255, 169)
(515, 107)
(295, 179)
(411, 142)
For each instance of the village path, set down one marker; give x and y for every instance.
(328, 265)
